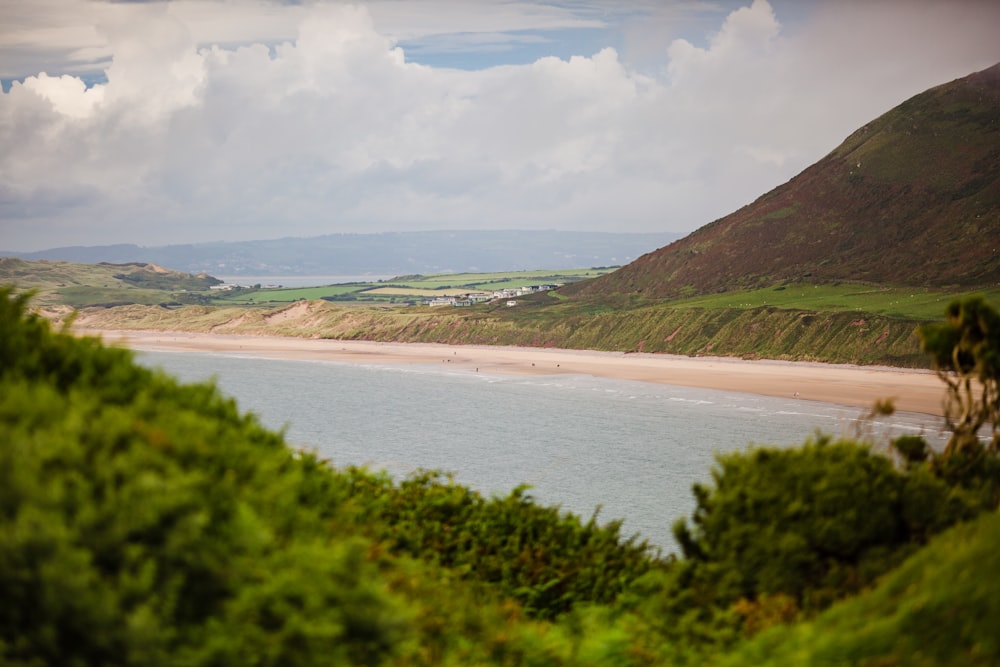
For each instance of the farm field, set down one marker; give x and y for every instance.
(407, 289)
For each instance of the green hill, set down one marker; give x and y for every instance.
(104, 284)
(912, 198)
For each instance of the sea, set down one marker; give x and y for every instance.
(303, 281)
(628, 450)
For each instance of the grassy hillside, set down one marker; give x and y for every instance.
(80, 285)
(910, 199)
(913, 303)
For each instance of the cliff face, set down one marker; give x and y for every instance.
(911, 198)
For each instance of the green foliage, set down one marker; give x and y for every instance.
(784, 533)
(146, 523)
(549, 561)
(61, 360)
(965, 351)
(939, 609)
(815, 523)
(162, 279)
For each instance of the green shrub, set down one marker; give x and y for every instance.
(939, 609)
(142, 522)
(550, 561)
(817, 522)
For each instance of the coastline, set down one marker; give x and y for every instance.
(859, 386)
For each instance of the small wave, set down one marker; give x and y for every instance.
(692, 401)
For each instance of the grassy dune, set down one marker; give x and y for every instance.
(834, 336)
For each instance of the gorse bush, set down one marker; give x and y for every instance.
(815, 523)
(545, 559)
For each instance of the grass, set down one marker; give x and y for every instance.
(81, 285)
(286, 294)
(416, 291)
(903, 302)
(408, 288)
(80, 296)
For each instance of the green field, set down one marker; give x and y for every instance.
(903, 302)
(247, 296)
(407, 289)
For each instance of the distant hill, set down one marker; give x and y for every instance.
(104, 284)
(390, 253)
(912, 198)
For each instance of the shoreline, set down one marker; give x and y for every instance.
(915, 391)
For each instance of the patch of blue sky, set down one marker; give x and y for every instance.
(478, 50)
(90, 79)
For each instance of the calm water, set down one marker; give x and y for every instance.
(633, 448)
(302, 281)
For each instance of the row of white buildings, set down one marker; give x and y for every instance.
(471, 298)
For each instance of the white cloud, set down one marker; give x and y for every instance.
(222, 121)
(67, 94)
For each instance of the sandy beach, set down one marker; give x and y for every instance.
(912, 390)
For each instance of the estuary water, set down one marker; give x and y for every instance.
(631, 448)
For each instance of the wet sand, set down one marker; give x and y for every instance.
(860, 386)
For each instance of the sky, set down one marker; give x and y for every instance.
(187, 121)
